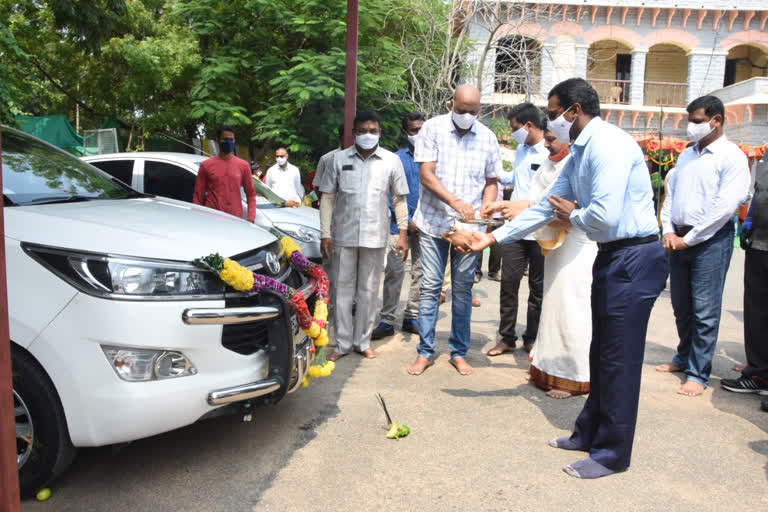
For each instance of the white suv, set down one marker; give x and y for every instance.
(115, 336)
(173, 175)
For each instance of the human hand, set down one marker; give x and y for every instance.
(326, 247)
(562, 207)
(478, 241)
(460, 239)
(511, 209)
(465, 210)
(666, 241)
(489, 209)
(678, 244)
(291, 204)
(412, 227)
(401, 248)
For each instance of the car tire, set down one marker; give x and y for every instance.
(39, 414)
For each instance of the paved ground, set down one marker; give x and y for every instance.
(477, 443)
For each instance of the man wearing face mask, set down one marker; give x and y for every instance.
(355, 229)
(459, 165)
(285, 179)
(527, 123)
(608, 177)
(394, 272)
(711, 180)
(221, 177)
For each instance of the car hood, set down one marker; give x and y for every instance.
(302, 215)
(144, 227)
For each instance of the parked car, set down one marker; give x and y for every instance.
(173, 175)
(115, 336)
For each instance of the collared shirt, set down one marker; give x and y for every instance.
(325, 163)
(218, 185)
(521, 176)
(706, 189)
(362, 188)
(411, 169)
(285, 182)
(462, 166)
(608, 176)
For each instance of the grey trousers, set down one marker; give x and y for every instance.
(394, 274)
(356, 275)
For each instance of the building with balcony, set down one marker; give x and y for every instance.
(646, 58)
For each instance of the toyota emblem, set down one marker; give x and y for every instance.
(273, 263)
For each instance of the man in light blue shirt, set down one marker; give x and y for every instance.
(527, 123)
(608, 178)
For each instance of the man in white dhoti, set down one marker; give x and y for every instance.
(560, 357)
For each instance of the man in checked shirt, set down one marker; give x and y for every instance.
(459, 163)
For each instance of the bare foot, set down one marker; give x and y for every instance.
(421, 364)
(556, 393)
(368, 353)
(668, 368)
(499, 349)
(462, 366)
(691, 388)
(528, 376)
(335, 356)
(739, 367)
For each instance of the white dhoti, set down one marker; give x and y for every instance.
(356, 273)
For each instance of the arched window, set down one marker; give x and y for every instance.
(518, 65)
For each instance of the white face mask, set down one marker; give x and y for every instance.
(282, 160)
(367, 140)
(520, 136)
(561, 127)
(463, 121)
(412, 140)
(697, 131)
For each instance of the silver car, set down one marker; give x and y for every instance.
(168, 174)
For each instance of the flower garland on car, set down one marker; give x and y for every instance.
(243, 280)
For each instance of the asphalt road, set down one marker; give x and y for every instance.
(477, 443)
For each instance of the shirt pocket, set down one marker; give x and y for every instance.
(349, 181)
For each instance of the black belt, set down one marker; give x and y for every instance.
(682, 230)
(626, 242)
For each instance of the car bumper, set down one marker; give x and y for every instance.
(103, 409)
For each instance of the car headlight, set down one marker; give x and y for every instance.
(299, 232)
(121, 277)
(138, 365)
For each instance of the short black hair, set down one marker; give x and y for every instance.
(412, 116)
(712, 106)
(525, 112)
(577, 90)
(223, 128)
(364, 116)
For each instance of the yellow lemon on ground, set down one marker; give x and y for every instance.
(43, 494)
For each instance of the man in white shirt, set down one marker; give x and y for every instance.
(285, 179)
(527, 123)
(710, 182)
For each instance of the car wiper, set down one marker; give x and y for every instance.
(59, 199)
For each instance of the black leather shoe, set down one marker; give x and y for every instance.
(382, 331)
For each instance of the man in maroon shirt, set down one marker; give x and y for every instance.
(220, 178)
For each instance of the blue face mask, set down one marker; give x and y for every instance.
(227, 146)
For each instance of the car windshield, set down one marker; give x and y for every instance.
(36, 173)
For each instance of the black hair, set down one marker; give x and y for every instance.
(577, 90)
(366, 115)
(712, 106)
(525, 112)
(412, 116)
(223, 128)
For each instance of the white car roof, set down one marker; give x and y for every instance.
(165, 155)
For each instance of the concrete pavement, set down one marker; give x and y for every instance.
(477, 443)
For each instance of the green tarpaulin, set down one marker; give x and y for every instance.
(55, 130)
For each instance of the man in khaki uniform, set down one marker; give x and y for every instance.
(355, 228)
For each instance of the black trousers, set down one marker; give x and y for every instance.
(625, 284)
(755, 318)
(494, 261)
(515, 257)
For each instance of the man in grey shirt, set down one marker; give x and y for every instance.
(355, 228)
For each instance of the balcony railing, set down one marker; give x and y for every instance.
(611, 91)
(664, 94)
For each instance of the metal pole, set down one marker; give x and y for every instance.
(350, 74)
(9, 476)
